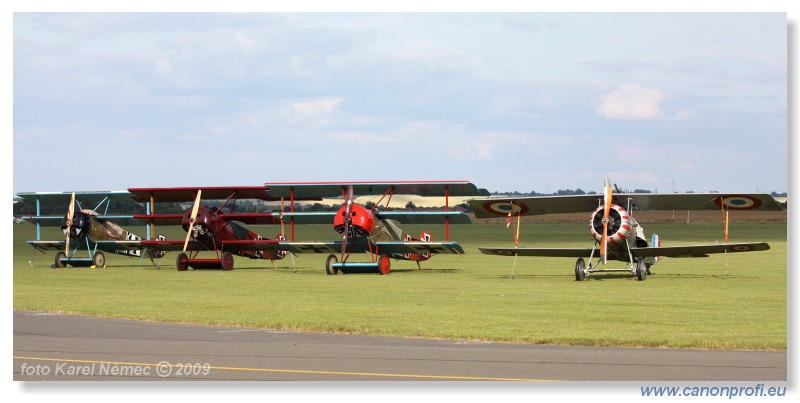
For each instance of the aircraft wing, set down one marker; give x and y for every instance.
(83, 197)
(390, 248)
(426, 217)
(187, 194)
(403, 217)
(335, 189)
(105, 246)
(698, 250)
(419, 247)
(55, 221)
(539, 205)
(540, 252)
(661, 251)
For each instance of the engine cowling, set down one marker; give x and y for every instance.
(205, 224)
(620, 224)
(81, 225)
(362, 222)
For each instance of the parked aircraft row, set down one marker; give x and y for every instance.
(373, 230)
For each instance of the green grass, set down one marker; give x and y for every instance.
(685, 303)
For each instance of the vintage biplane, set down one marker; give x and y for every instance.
(618, 236)
(375, 229)
(87, 229)
(219, 229)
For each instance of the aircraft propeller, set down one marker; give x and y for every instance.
(192, 218)
(70, 212)
(606, 212)
(347, 219)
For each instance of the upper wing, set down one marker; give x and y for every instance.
(698, 250)
(90, 198)
(83, 197)
(185, 194)
(336, 189)
(493, 207)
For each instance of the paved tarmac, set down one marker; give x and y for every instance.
(84, 348)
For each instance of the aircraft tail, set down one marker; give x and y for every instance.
(425, 236)
(655, 242)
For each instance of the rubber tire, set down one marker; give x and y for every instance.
(99, 260)
(580, 265)
(227, 261)
(332, 271)
(182, 262)
(57, 264)
(641, 269)
(384, 265)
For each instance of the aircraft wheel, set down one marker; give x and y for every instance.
(58, 264)
(99, 260)
(580, 266)
(383, 264)
(182, 262)
(329, 265)
(227, 261)
(641, 269)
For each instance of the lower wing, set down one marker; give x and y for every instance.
(389, 248)
(699, 250)
(105, 246)
(661, 251)
(541, 252)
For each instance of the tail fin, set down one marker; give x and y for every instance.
(655, 242)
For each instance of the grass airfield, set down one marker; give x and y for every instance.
(685, 303)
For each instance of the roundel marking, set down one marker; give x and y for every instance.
(503, 208)
(742, 248)
(738, 202)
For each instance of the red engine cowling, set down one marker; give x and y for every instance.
(619, 224)
(362, 222)
(204, 225)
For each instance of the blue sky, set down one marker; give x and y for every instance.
(508, 100)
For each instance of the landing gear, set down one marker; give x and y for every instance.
(99, 260)
(227, 261)
(329, 265)
(58, 264)
(182, 262)
(580, 269)
(383, 264)
(641, 269)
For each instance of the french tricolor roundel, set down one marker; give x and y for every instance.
(504, 207)
(738, 202)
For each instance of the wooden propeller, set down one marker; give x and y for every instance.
(606, 212)
(70, 213)
(192, 218)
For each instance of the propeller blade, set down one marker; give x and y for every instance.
(606, 212)
(347, 211)
(70, 213)
(193, 216)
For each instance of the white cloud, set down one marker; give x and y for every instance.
(313, 113)
(632, 102)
